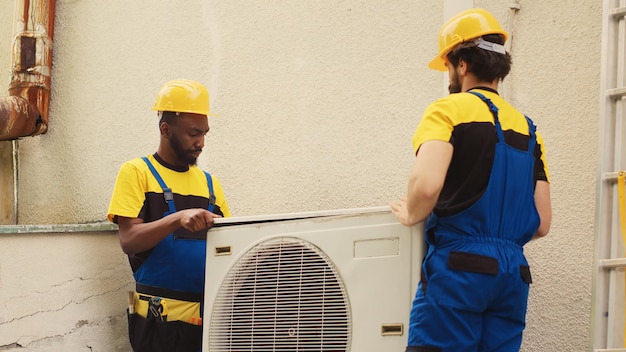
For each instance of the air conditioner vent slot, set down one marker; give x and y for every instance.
(284, 294)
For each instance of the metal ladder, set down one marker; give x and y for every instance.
(609, 283)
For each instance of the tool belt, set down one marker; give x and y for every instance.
(161, 304)
(164, 320)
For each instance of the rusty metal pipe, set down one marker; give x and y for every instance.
(25, 111)
(18, 118)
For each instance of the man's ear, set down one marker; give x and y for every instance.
(165, 129)
(462, 68)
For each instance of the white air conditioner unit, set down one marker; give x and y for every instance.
(340, 280)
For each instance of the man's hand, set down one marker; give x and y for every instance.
(137, 236)
(399, 209)
(196, 219)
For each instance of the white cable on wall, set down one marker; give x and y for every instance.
(514, 7)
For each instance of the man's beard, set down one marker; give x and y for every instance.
(455, 84)
(182, 154)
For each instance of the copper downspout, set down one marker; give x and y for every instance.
(25, 111)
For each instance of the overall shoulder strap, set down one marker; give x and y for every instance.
(209, 181)
(532, 134)
(167, 192)
(494, 111)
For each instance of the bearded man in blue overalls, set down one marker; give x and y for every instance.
(480, 180)
(164, 205)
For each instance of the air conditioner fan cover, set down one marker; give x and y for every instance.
(284, 294)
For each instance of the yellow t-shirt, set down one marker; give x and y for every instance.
(466, 122)
(137, 193)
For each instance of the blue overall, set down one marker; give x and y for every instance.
(174, 262)
(475, 279)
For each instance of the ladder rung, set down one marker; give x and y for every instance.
(618, 12)
(610, 176)
(612, 263)
(610, 350)
(616, 92)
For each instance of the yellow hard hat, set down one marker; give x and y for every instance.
(467, 25)
(183, 95)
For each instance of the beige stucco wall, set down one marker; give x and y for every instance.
(318, 102)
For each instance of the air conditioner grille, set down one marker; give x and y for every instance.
(282, 295)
